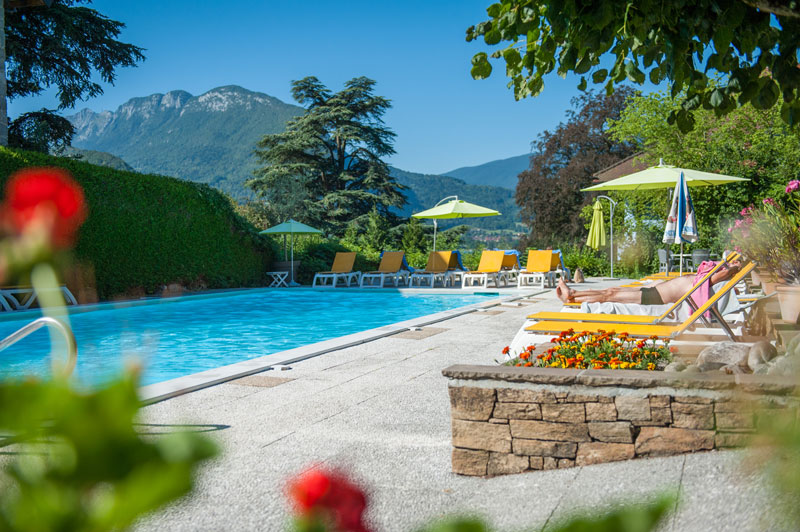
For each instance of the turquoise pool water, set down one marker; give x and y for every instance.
(173, 338)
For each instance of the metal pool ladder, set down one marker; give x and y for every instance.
(35, 325)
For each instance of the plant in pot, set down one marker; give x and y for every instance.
(770, 235)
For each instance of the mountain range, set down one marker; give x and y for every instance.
(500, 173)
(210, 138)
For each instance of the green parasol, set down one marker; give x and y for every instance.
(597, 230)
(292, 228)
(664, 176)
(455, 208)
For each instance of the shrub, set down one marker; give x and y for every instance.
(145, 231)
(586, 259)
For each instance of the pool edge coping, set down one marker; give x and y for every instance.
(162, 391)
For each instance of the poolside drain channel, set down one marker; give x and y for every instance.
(260, 381)
(420, 334)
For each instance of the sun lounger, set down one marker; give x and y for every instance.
(511, 265)
(646, 330)
(390, 269)
(538, 269)
(489, 268)
(22, 297)
(437, 269)
(626, 318)
(342, 269)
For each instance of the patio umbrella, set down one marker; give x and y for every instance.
(597, 231)
(455, 208)
(681, 224)
(291, 228)
(664, 176)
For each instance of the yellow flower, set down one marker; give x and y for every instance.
(651, 366)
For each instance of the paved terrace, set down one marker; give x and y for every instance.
(381, 410)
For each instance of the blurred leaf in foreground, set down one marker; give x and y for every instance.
(79, 463)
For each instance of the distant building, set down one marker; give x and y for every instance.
(629, 165)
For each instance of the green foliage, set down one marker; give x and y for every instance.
(583, 257)
(414, 239)
(549, 193)
(450, 239)
(376, 234)
(146, 231)
(749, 143)
(42, 131)
(628, 518)
(472, 258)
(44, 49)
(653, 40)
(329, 160)
(91, 469)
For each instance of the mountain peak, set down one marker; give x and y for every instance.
(223, 98)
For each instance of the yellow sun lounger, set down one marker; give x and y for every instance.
(436, 269)
(342, 269)
(490, 268)
(538, 268)
(646, 330)
(626, 318)
(390, 268)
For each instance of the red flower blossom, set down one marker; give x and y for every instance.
(332, 495)
(44, 197)
(506, 349)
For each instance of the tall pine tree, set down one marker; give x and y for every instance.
(331, 156)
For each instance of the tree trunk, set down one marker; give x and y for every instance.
(3, 86)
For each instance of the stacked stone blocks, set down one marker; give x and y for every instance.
(498, 429)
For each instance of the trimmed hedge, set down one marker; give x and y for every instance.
(147, 231)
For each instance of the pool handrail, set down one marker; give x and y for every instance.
(35, 325)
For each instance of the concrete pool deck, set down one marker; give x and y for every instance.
(381, 410)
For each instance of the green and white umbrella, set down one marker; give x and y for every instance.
(291, 227)
(597, 231)
(455, 208)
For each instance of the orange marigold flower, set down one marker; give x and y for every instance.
(528, 364)
(506, 349)
(525, 356)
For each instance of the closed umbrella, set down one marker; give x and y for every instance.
(291, 228)
(681, 223)
(455, 208)
(597, 230)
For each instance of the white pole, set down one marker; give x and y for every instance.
(434, 234)
(612, 240)
(681, 267)
(613, 204)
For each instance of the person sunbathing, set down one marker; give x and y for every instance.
(658, 293)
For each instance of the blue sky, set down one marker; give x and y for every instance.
(415, 50)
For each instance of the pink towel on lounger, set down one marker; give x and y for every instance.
(702, 294)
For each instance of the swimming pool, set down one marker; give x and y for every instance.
(176, 337)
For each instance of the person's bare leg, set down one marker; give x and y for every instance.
(617, 295)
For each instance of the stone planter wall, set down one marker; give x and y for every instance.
(510, 420)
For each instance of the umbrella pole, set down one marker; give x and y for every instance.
(291, 266)
(681, 268)
(434, 234)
